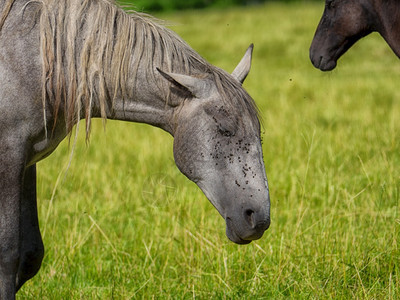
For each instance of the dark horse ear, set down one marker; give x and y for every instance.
(243, 68)
(199, 88)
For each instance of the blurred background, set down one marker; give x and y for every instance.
(168, 5)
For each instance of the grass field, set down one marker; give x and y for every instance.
(123, 223)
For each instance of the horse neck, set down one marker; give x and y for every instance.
(388, 12)
(147, 105)
(117, 76)
(148, 97)
(103, 62)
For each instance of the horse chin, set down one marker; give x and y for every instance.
(329, 62)
(327, 65)
(324, 64)
(232, 235)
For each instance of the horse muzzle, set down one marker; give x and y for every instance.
(247, 226)
(322, 60)
(323, 64)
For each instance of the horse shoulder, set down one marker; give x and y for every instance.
(21, 105)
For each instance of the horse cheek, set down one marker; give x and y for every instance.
(184, 154)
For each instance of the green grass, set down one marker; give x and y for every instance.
(123, 223)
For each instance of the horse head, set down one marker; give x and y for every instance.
(342, 24)
(217, 145)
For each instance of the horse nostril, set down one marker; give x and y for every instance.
(249, 217)
(256, 220)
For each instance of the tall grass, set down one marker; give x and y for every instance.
(123, 223)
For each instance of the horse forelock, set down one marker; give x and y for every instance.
(91, 48)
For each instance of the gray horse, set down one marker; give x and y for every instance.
(63, 61)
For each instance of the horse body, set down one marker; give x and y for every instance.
(344, 22)
(62, 61)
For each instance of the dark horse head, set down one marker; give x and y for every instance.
(342, 24)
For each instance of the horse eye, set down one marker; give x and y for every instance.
(225, 132)
(329, 4)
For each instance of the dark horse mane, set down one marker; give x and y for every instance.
(87, 43)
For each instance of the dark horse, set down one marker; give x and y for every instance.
(344, 22)
(66, 60)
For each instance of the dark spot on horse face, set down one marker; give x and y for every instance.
(342, 24)
(204, 141)
(226, 121)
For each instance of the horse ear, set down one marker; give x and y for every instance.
(198, 87)
(243, 68)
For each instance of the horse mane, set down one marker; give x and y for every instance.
(86, 44)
